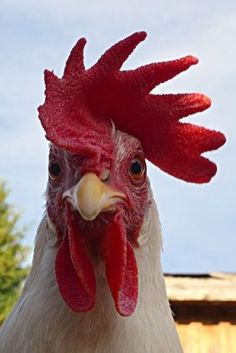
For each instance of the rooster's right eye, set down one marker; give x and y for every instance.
(54, 171)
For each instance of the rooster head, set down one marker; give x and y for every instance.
(103, 123)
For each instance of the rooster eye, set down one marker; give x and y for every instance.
(54, 170)
(137, 168)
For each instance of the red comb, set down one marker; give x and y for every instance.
(87, 100)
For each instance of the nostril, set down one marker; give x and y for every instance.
(105, 176)
(68, 196)
(77, 175)
(60, 200)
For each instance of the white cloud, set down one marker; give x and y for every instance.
(72, 8)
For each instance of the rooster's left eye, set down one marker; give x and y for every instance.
(137, 168)
(54, 170)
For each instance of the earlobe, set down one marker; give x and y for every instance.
(51, 236)
(145, 229)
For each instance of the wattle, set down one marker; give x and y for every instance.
(75, 274)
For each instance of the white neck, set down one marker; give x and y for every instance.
(42, 323)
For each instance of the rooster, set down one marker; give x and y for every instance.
(96, 283)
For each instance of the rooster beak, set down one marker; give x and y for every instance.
(91, 197)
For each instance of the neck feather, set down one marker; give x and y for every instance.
(41, 313)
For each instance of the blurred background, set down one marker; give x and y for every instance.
(198, 222)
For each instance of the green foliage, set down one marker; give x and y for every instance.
(12, 255)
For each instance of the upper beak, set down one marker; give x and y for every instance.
(90, 196)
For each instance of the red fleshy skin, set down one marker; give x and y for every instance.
(79, 107)
(128, 294)
(74, 271)
(80, 260)
(121, 268)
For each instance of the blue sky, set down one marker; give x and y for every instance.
(198, 222)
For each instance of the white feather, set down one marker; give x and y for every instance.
(42, 323)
